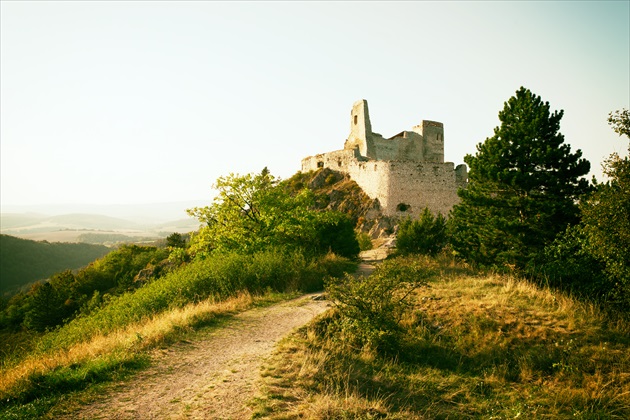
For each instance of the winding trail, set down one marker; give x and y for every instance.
(212, 376)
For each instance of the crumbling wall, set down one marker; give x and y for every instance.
(414, 186)
(406, 173)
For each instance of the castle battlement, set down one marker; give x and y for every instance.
(406, 172)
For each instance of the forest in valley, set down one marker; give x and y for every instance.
(24, 261)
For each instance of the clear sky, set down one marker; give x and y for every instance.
(145, 102)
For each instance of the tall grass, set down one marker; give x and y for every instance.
(95, 347)
(215, 278)
(474, 346)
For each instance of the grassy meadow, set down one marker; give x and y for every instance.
(472, 345)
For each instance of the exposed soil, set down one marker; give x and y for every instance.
(211, 377)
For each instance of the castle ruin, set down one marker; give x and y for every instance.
(406, 172)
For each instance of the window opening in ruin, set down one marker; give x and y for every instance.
(339, 163)
(356, 119)
(320, 164)
(403, 207)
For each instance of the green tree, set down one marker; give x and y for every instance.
(176, 240)
(335, 233)
(606, 217)
(426, 235)
(523, 186)
(620, 122)
(252, 212)
(49, 303)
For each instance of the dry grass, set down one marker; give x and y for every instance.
(131, 339)
(486, 346)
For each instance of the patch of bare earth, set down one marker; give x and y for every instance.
(211, 377)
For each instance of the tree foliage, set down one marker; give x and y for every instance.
(426, 235)
(253, 212)
(620, 122)
(50, 303)
(593, 258)
(23, 261)
(523, 185)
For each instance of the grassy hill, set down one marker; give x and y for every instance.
(23, 261)
(465, 345)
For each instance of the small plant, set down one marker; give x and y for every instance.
(371, 308)
(365, 241)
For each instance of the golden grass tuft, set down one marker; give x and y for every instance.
(133, 338)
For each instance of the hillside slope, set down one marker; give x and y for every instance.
(336, 191)
(463, 345)
(23, 261)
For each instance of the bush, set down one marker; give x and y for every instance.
(566, 264)
(371, 308)
(335, 233)
(426, 236)
(365, 241)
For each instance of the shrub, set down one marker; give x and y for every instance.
(365, 241)
(426, 236)
(371, 308)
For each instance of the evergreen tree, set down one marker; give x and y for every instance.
(523, 186)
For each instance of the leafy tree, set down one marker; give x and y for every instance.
(592, 258)
(48, 303)
(426, 235)
(176, 240)
(335, 233)
(523, 186)
(620, 122)
(252, 212)
(607, 216)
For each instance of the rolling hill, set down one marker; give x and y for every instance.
(24, 261)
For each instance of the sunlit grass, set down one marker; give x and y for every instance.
(488, 346)
(64, 365)
(119, 345)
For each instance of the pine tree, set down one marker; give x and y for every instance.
(523, 186)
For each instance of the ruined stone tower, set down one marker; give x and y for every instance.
(406, 172)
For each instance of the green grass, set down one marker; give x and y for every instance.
(113, 341)
(474, 346)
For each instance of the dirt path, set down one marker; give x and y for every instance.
(209, 378)
(213, 376)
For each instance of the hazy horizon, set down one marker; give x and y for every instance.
(150, 102)
(140, 212)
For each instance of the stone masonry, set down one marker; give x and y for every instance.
(406, 172)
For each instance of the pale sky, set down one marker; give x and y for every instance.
(146, 102)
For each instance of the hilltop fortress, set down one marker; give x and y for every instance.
(405, 173)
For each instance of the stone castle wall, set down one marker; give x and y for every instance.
(406, 173)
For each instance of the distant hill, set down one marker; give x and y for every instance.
(31, 222)
(23, 261)
(89, 228)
